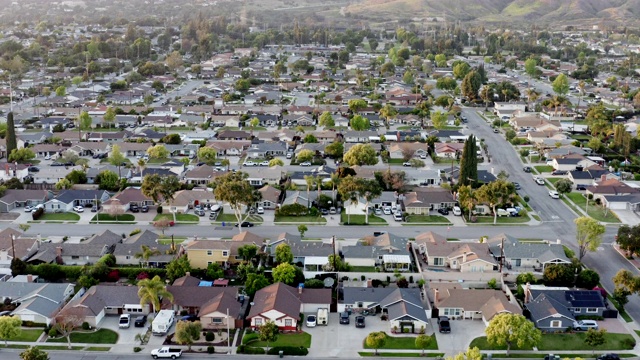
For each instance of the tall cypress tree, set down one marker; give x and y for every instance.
(469, 162)
(11, 134)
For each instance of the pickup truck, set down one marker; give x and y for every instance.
(166, 352)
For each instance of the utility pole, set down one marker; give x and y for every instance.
(501, 254)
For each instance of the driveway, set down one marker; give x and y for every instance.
(627, 217)
(127, 336)
(336, 340)
(462, 333)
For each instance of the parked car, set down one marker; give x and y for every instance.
(324, 211)
(311, 321)
(526, 169)
(28, 208)
(260, 210)
(516, 185)
(199, 212)
(378, 211)
(457, 211)
(134, 208)
(554, 194)
(289, 155)
(306, 163)
(398, 216)
(249, 163)
(166, 352)
(609, 357)
(344, 318)
(444, 326)
(245, 224)
(559, 172)
(144, 208)
(191, 318)
(387, 210)
(332, 210)
(78, 209)
(264, 163)
(581, 187)
(539, 180)
(95, 208)
(33, 169)
(125, 321)
(406, 163)
(584, 325)
(140, 321)
(360, 321)
(443, 211)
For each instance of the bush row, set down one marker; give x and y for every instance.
(53, 272)
(243, 349)
(289, 350)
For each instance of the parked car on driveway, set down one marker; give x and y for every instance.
(584, 325)
(554, 194)
(125, 321)
(559, 172)
(78, 209)
(526, 169)
(140, 321)
(360, 321)
(444, 326)
(28, 208)
(443, 211)
(311, 321)
(306, 163)
(344, 318)
(539, 180)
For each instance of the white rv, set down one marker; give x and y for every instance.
(323, 316)
(162, 322)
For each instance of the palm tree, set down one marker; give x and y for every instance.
(310, 179)
(335, 179)
(141, 165)
(145, 253)
(532, 95)
(151, 291)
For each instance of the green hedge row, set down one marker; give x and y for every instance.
(53, 272)
(243, 349)
(288, 350)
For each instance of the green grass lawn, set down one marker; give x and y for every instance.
(402, 354)
(405, 343)
(167, 239)
(300, 219)
(363, 269)
(573, 341)
(502, 219)
(303, 339)
(482, 344)
(395, 161)
(553, 180)
(544, 168)
(230, 218)
(179, 217)
(359, 219)
(102, 336)
(595, 211)
(65, 216)
(124, 218)
(28, 335)
(427, 219)
(98, 348)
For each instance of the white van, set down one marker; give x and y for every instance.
(322, 317)
(503, 212)
(457, 211)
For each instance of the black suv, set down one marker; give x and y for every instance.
(443, 324)
(526, 169)
(134, 208)
(360, 322)
(609, 357)
(140, 321)
(344, 318)
(443, 211)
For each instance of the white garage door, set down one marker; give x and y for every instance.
(313, 308)
(28, 317)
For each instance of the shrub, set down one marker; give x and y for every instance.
(629, 343)
(293, 210)
(243, 349)
(33, 324)
(209, 336)
(589, 317)
(86, 326)
(289, 350)
(53, 333)
(37, 214)
(113, 276)
(135, 231)
(159, 209)
(137, 349)
(526, 198)
(211, 349)
(362, 277)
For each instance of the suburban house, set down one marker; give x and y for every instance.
(184, 200)
(13, 170)
(70, 253)
(67, 199)
(386, 250)
(456, 255)
(127, 197)
(266, 149)
(102, 300)
(129, 251)
(270, 197)
(571, 162)
(37, 302)
(404, 307)
(476, 304)
(13, 245)
(556, 308)
(448, 150)
(589, 176)
(523, 256)
(403, 150)
(282, 304)
(207, 251)
(19, 198)
(423, 200)
(313, 256)
(609, 187)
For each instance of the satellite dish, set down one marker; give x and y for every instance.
(328, 282)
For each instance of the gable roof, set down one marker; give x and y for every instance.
(286, 299)
(543, 307)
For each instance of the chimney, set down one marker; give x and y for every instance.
(369, 283)
(29, 278)
(59, 251)
(527, 293)
(300, 289)
(464, 257)
(435, 296)
(603, 177)
(188, 273)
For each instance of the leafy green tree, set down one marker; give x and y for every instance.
(441, 60)
(158, 151)
(496, 193)
(360, 123)
(178, 268)
(564, 186)
(621, 296)
(595, 338)
(310, 139)
(276, 162)
(361, 154)
(284, 273)
(302, 229)
(335, 149)
(248, 252)
(34, 353)
(283, 254)
(11, 134)
(471, 354)
(84, 121)
(446, 83)
(109, 116)
(471, 85)
(234, 189)
(268, 332)
(558, 275)
(439, 119)
(63, 184)
(116, 158)
(21, 155)
(508, 329)
(160, 187)
(10, 327)
(587, 279)
(151, 291)
(469, 162)
(388, 112)
(376, 340)
(206, 154)
(146, 253)
(305, 155)
(628, 239)
(355, 105)
(460, 70)
(561, 85)
(326, 120)
(108, 180)
(530, 67)
(588, 235)
(61, 91)
(255, 282)
(422, 342)
(187, 332)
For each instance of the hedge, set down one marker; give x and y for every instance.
(288, 350)
(37, 214)
(243, 349)
(53, 272)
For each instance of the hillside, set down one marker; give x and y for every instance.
(561, 12)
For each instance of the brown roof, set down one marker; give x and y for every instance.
(430, 237)
(186, 280)
(195, 296)
(223, 302)
(270, 193)
(286, 299)
(248, 236)
(128, 195)
(22, 246)
(476, 299)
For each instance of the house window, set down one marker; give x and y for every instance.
(219, 320)
(555, 323)
(225, 253)
(128, 257)
(258, 322)
(75, 257)
(451, 312)
(238, 257)
(577, 310)
(592, 310)
(438, 261)
(360, 304)
(287, 322)
(209, 252)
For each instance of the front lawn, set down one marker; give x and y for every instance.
(124, 218)
(102, 336)
(28, 335)
(297, 340)
(402, 354)
(573, 341)
(395, 161)
(65, 216)
(363, 269)
(179, 217)
(300, 219)
(405, 342)
(502, 219)
(544, 168)
(360, 219)
(230, 218)
(427, 219)
(553, 180)
(594, 210)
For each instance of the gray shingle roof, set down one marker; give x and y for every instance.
(69, 196)
(543, 307)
